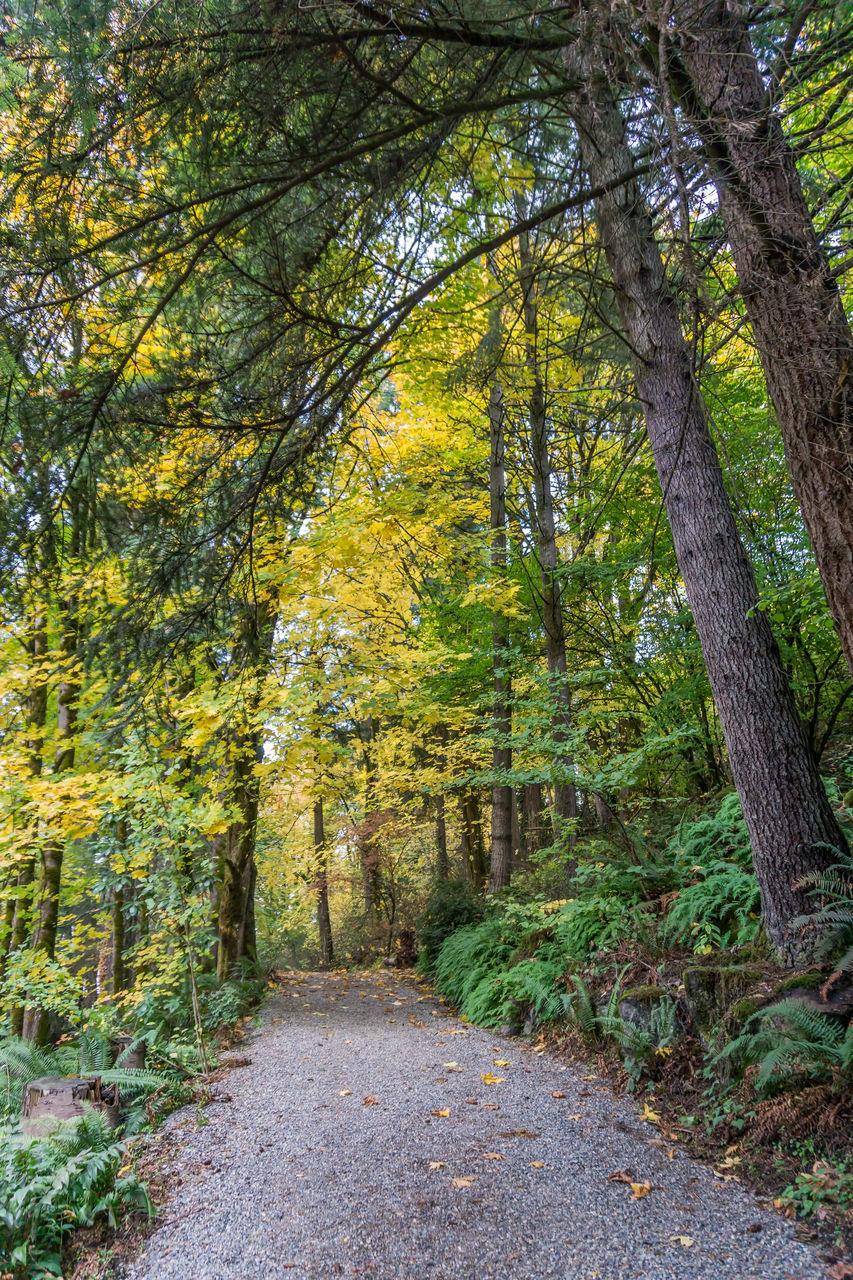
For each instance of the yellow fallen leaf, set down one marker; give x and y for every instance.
(451, 1064)
(492, 1155)
(489, 1078)
(670, 1155)
(125, 1167)
(444, 1112)
(502, 1062)
(640, 1189)
(436, 1164)
(686, 1241)
(371, 1100)
(648, 1114)
(557, 1093)
(461, 1182)
(537, 1164)
(344, 1093)
(573, 1117)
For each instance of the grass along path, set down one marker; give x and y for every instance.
(374, 1135)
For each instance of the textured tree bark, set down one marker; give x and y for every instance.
(565, 794)
(790, 822)
(792, 299)
(324, 922)
(501, 843)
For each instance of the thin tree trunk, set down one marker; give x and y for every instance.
(501, 844)
(236, 890)
(236, 905)
(368, 847)
(790, 822)
(324, 922)
(565, 794)
(442, 865)
(34, 1026)
(791, 296)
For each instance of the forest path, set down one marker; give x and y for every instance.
(319, 1165)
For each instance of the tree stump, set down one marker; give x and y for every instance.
(407, 949)
(52, 1099)
(130, 1050)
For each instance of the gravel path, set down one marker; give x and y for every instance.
(362, 1141)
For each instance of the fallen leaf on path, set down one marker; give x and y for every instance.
(491, 1106)
(640, 1189)
(573, 1117)
(443, 1113)
(489, 1078)
(621, 1175)
(648, 1114)
(371, 1100)
(492, 1155)
(557, 1093)
(471, 1102)
(518, 1133)
(686, 1241)
(436, 1164)
(448, 1066)
(502, 1062)
(537, 1164)
(461, 1182)
(344, 1093)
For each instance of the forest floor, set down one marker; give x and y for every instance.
(375, 1135)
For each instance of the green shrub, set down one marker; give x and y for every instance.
(451, 905)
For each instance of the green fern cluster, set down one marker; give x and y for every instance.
(50, 1187)
(720, 909)
(832, 921)
(794, 1039)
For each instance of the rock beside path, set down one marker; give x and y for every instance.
(372, 1135)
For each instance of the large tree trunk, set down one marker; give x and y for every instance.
(791, 296)
(324, 922)
(790, 822)
(565, 794)
(501, 846)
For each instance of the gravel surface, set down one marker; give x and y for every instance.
(335, 1156)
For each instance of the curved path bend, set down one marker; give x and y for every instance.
(376, 1136)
